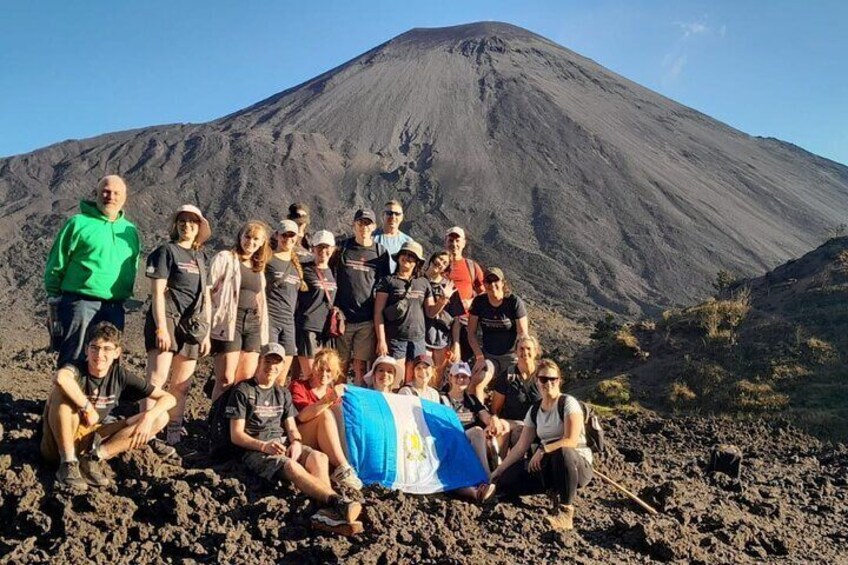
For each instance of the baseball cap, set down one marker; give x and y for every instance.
(494, 272)
(457, 231)
(460, 368)
(365, 214)
(423, 359)
(323, 237)
(288, 226)
(273, 349)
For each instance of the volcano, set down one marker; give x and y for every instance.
(592, 192)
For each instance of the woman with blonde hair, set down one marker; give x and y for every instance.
(240, 310)
(176, 270)
(514, 391)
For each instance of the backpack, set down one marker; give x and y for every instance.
(591, 423)
(220, 443)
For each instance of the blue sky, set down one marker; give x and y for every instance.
(78, 69)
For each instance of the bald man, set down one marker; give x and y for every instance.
(91, 269)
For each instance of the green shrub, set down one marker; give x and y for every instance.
(680, 395)
(613, 392)
(758, 397)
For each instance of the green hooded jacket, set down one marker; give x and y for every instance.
(93, 256)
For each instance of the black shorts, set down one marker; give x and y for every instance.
(308, 343)
(179, 345)
(285, 336)
(248, 335)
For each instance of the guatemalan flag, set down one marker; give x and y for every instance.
(408, 444)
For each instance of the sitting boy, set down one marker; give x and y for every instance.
(262, 423)
(83, 395)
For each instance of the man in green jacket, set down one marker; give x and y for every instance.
(91, 269)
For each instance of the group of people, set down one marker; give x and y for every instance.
(367, 310)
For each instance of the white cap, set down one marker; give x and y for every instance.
(460, 368)
(456, 230)
(381, 360)
(288, 226)
(322, 237)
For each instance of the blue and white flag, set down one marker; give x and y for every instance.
(408, 444)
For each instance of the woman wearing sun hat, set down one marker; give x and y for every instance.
(399, 309)
(176, 270)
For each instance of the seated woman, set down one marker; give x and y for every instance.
(515, 391)
(471, 412)
(555, 417)
(382, 375)
(422, 373)
(314, 398)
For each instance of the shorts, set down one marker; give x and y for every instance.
(248, 335)
(82, 438)
(179, 345)
(501, 362)
(285, 337)
(438, 336)
(358, 342)
(405, 349)
(269, 466)
(308, 343)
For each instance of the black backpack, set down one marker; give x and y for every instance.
(220, 444)
(591, 423)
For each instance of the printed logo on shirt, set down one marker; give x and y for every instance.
(151, 269)
(358, 264)
(266, 412)
(496, 323)
(329, 286)
(101, 402)
(291, 279)
(189, 267)
(415, 294)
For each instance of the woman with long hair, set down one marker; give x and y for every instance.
(502, 318)
(240, 311)
(315, 302)
(514, 391)
(401, 301)
(176, 271)
(283, 281)
(315, 398)
(555, 417)
(438, 325)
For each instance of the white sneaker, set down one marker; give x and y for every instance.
(345, 476)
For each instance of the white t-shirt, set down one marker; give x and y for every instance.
(550, 425)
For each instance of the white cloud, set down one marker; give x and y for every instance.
(693, 28)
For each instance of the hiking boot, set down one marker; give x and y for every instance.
(92, 471)
(329, 520)
(348, 509)
(345, 476)
(162, 449)
(68, 476)
(564, 520)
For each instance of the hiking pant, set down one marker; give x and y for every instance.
(77, 313)
(563, 471)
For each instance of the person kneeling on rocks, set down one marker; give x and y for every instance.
(262, 423)
(77, 413)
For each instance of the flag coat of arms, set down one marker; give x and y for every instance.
(407, 444)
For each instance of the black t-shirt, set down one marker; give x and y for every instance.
(263, 409)
(498, 324)
(519, 395)
(181, 268)
(467, 409)
(117, 386)
(281, 287)
(357, 268)
(411, 327)
(312, 306)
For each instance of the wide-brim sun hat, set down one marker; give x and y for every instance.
(381, 360)
(204, 232)
(412, 247)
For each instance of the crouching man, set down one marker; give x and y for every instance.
(262, 423)
(77, 433)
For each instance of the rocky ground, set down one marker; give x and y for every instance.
(791, 503)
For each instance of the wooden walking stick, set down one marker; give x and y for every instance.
(560, 443)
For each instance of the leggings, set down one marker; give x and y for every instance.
(563, 471)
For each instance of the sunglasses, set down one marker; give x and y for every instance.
(545, 379)
(392, 213)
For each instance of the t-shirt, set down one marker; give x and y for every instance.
(357, 268)
(251, 286)
(181, 268)
(312, 306)
(467, 409)
(498, 323)
(281, 288)
(430, 393)
(117, 386)
(519, 394)
(391, 244)
(410, 327)
(302, 394)
(549, 425)
(467, 285)
(264, 413)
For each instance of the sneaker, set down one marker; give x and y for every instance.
(162, 449)
(347, 508)
(69, 476)
(174, 433)
(485, 492)
(329, 520)
(563, 521)
(92, 471)
(344, 475)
